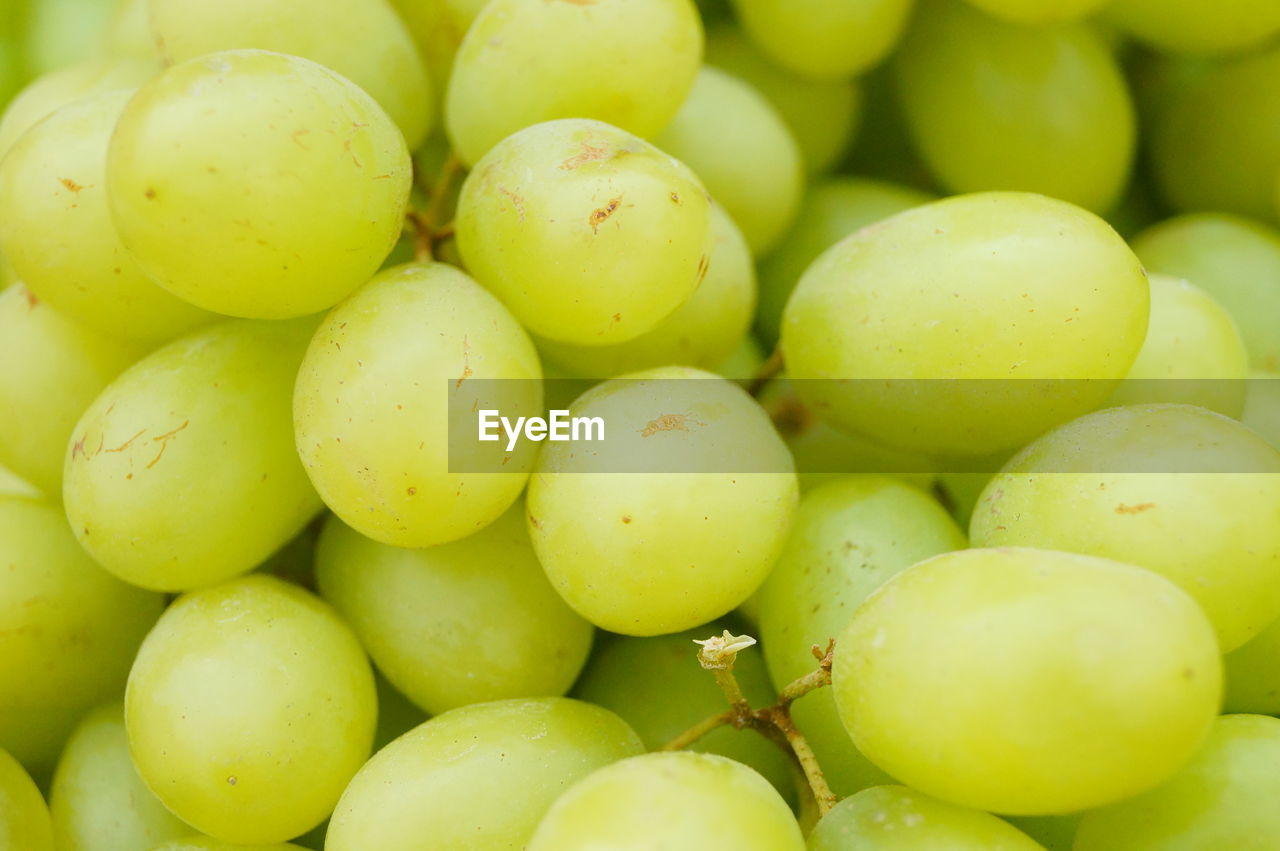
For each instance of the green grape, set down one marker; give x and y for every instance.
(479, 777)
(249, 707)
(206, 843)
(60, 32)
(626, 62)
(824, 39)
(470, 621)
(678, 799)
(850, 536)
(1000, 286)
(895, 818)
(1039, 12)
(743, 363)
(741, 148)
(56, 228)
(1028, 681)
(1253, 674)
(1214, 144)
(372, 412)
(702, 332)
(182, 472)
(1192, 340)
(645, 553)
(1180, 490)
(437, 26)
(832, 209)
(24, 818)
(822, 115)
(68, 631)
(588, 234)
(1224, 798)
(1262, 406)
(273, 194)
(98, 801)
(657, 686)
(1194, 26)
(51, 368)
(1234, 260)
(994, 105)
(363, 40)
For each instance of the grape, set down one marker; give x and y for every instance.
(249, 708)
(824, 39)
(588, 234)
(56, 228)
(993, 105)
(1193, 26)
(438, 27)
(626, 62)
(12, 485)
(645, 553)
(702, 332)
(1039, 12)
(1182, 491)
(743, 363)
(479, 777)
(273, 194)
(850, 536)
(51, 368)
(129, 32)
(734, 139)
(68, 631)
(182, 472)
(1262, 406)
(895, 818)
(832, 209)
(470, 621)
(98, 802)
(1253, 674)
(1234, 260)
(204, 843)
(1193, 352)
(62, 31)
(822, 115)
(670, 800)
(24, 818)
(1028, 681)
(387, 354)
(1224, 798)
(1027, 286)
(658, 687)
(363, 40)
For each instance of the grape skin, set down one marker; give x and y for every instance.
(24, 818)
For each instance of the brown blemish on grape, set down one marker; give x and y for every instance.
(704, 263)
(1134, 509)
(466, 363)
(534, 521)
(150, 194)
(70, 184)
(78, 447)
(517, 201)
(231, 781)
(411, 491)
(668, 422)
(589, 153)
(297, 138)
(32, 300)
(626, 518)
(163, 440)
(122, 447)
(600, 214)
(675, 199)
(580, 2)
(346, 146)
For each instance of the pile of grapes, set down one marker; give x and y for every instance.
(935, 349)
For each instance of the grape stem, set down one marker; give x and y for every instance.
(769, 370)
(717, 655)
(426, 224)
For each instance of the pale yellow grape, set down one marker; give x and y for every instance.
(479, 777)
(56, 227)
(129, 32)
(1179, 490)
(61, 31)
(627, 62)
(1224, 798)
(1253, 674)
(824, 39)
(98, 801)
(1262, 406)
(51, 368)
(1193, 352)
(24, 818)
(831, 210)
(363, 40)
(679, 799)
(994, 105)
(1233, 259)
(702, 332)
(1040, 12)
(249, 708)
(68, 631)
(275, 193)
(821, 114)
(741, 148)
(895, 818)
(205, 843)
(384, 375)
(1028, 681)
(183, 472)
(1194, 26)
(850, 536)
(465, 622)
(997, 285)
(634, 543)
(588, 234)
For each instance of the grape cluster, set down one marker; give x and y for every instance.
(936, 343)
